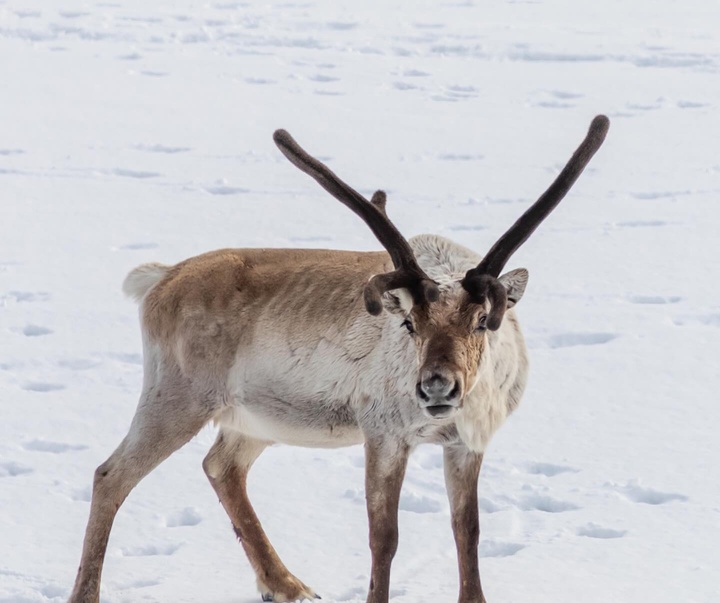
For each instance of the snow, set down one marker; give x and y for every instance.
(139, 131)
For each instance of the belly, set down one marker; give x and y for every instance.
(308, 425)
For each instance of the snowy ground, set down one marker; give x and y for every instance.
(137, 131)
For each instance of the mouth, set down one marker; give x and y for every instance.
(440, 411)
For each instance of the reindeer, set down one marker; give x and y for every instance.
(326, 348)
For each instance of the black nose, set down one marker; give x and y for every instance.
(436, 385)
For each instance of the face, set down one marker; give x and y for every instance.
(450, 336)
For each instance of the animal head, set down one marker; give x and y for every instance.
(448, 322)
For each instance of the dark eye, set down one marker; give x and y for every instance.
(408, 325)
(482, 324)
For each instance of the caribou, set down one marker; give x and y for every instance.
(326, 348)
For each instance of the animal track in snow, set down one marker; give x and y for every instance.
(460, 157)
(493, 548)
(712, 320)
(489, 506)
(567, 340)
(36, 331)
(82, 494)
(189, 516)
(41, 386)
(548, 469)
(161, 148)
(49, 446)
(78, 364)
(640, 494)
(419, 504)
(149, 550)
(594, 531)
(12, 469)
(137, 246)
(546, 504)
(653, 195)
(685, 104)
(225, 190)
(655, 299)
(29, 296)
(641, 223)
(138, 174)
(126, 358)
(6, 152)
(140, 584)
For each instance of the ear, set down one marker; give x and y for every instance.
(398, 301)
(514, 282)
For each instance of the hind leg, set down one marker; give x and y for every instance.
(227, 465)
(165, 419)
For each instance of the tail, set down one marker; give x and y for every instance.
(141, 280)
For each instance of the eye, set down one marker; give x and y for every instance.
(482, 324)
(408, 325)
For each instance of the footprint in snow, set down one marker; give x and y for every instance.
(12, 469)
(36, 331)
(161, 148)
(641, 224)
(711, 320)
(655, 299)
(139, 584)
(594, 531)
(419, 504)
(81, 494)
(546, 504)
(78, 364)
(126, 358)
(493, 548)
(548, 469)
(41, 386)
(28, 296)
(138, 246)
(50, 446)
(640, 494)
(189, 516)
(225, 190)
(567, 340)
(150, 550)
(138, 174)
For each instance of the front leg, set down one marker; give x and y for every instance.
(462, 468)
(385, 462)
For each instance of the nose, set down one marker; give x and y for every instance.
(435, 385)
(438, 392)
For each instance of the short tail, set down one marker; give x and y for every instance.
(142, 279)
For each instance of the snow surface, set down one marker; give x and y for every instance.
(139, 131)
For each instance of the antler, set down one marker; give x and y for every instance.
(407, 273)
(481, 282)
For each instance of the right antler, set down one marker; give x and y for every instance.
(407, 274)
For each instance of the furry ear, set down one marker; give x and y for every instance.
(514, 282)
(398, 301)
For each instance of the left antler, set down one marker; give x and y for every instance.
(481, 282)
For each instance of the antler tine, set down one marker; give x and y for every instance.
(407, 273)
(481, 282)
